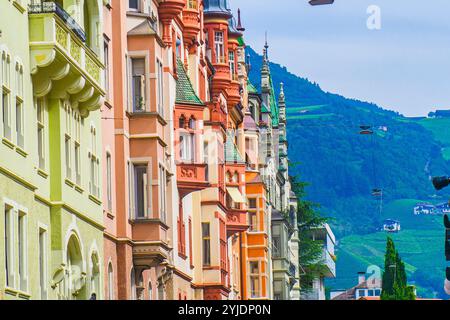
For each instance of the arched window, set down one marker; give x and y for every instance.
(192, 123)
(92, 24)
(76, 287)
(182, 122)
(110, 282)
(235, 177)
(95, 278)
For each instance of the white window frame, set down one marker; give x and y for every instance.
(43, 254)
(254, 275)
(219, 46)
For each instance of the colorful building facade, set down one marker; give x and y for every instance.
(52, 90)
(140, 162)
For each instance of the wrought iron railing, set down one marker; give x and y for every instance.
(54, 7)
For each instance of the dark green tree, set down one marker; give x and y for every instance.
(308, 218)
(395, 286)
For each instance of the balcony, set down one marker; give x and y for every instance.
(191, 24)
(61, 62)
(234, 94)
(191, 177)
(329, 264)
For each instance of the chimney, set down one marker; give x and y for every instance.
(361, 277)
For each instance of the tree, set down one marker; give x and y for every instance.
(395, 286)
(308, 218)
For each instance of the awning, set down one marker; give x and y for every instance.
(235, 194)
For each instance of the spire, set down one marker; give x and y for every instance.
(266, 47)
(239, 26)
(282, 105)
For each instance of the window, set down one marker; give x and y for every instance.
(40, 131)
(371, 293)
(107, 67)
(160, 88)
(77, 147)
(206, 242)
(5, 103)
(255, 281)
(362, 293)
(278, 290)
(108, 181)
(192, 4)
(22, 250)
(133, 5)
(19, 123)
(133, 284)
(186, 146)
(138, 84)
(67, 141)
(6, 67)
(94, 188)
(150, 291)
(141, 190)
(9, 254)
(110, 282)
(19, 80)
(276, 242)
(253, 217)
(232, 63)
(218, 40)
(377, 292)
(252, 203)
(43, 263)
(162, 193)
(161, 294)
(130, 190)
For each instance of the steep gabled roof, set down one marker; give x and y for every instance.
(232, 154)
(185, 91)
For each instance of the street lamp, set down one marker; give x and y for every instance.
(320, 2)
(440, 182)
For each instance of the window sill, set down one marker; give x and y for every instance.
(109, 214)
(69, 183)
(8, 143)
(22, 152)
(108, 104)
(79, 189)
(17, 293)
(95, 199)
(19, 6)
(42, 173)
(182, 255)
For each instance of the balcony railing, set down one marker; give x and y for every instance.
(54, 7)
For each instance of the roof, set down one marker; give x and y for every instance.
(232, 153)
(350, 294)
(145, 28)
(251, 88)
(273, 105)
(249, 123)
(185, 91)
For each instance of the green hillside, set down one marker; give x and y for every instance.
(343, 166)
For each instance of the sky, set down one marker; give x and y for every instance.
(404, 65)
